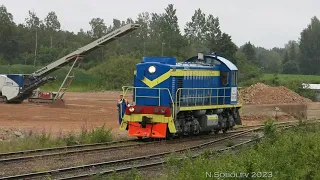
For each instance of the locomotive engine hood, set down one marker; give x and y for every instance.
(151, 69)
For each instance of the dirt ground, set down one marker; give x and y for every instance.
(83, 110)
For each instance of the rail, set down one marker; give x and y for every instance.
(125, 89)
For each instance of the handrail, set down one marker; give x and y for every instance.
(126, 88)
(203, 96)
(178, 98)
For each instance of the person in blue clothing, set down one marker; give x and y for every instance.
(122, 104)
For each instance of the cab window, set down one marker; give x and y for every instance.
(212, 61)
(234, 78)
(224, 78)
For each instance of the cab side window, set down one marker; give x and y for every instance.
(224, 78)
(234, 78)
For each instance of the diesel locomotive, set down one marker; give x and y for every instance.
(175, 99)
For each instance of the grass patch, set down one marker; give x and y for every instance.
(283, 78)
(292, 154)
(43, 139)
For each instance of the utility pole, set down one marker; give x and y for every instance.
(162, 48)
(144, 47)
(35, 50)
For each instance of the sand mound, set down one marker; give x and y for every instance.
(263, 94)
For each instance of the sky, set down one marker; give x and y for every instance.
(268, 23)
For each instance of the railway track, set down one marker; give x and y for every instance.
(92, 148)
(64, 150)
(87, 148)
(158, 159)
(78, 172)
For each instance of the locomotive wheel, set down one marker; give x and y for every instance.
(169, 136)
(216, 131)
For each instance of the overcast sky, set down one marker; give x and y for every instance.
(268, 23)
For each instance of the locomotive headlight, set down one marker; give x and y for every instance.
(131, 109)
(152, 69)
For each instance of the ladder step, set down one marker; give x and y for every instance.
(71, 76)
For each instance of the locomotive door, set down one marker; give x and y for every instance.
(179, 85)
(224, 92)
(224, 79)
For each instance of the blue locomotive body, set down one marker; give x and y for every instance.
(201, 81)
(200, 86)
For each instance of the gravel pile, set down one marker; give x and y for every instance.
(263, 94)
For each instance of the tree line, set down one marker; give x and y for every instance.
(39, 41)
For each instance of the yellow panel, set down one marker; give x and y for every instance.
(170, 73)
(195, 73)
(156, 81)
(212, 117)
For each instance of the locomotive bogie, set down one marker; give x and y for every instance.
(213, 120)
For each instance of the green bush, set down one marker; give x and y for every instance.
(248, 72)
(116, 73)
(98, 135)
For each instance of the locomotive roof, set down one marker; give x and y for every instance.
(222, 60)
(211, 61)
(228, 63)
(193, 65)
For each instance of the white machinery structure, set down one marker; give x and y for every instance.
(15, 88)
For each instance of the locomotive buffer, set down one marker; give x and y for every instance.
(15, 88)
